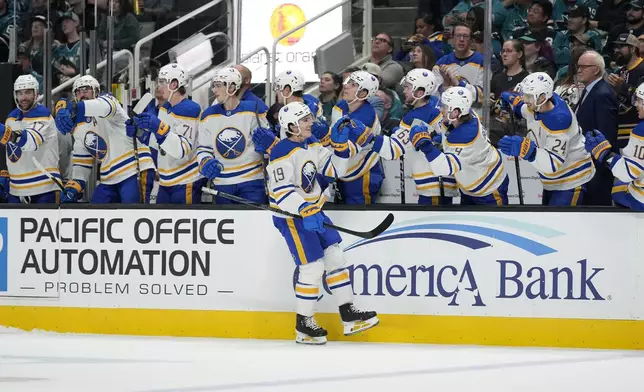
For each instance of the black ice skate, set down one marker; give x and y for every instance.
(307, 331)
(355, 320)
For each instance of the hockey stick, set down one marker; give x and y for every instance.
(48, 174)
(362, 234)
(517, 167)
(402, 180)
(138, 109)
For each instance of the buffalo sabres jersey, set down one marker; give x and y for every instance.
(469, 73)
(177, 161)
(226, 135)
(42, 144)
(629, 167)
(293, 172)
(366, 158)
(427, 183)
(562, 161)
(102, 137)
(471, 159)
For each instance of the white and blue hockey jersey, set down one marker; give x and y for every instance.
(293, 173)
(471, 159)
(562, 161)
(469, 73)
(226, 135)
(42, 144)
(177, 161)
(102, 137)
(366, 158)
(629, 167)
(427, 183)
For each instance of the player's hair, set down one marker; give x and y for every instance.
(298, 94)
(182, 90)
(465, 118)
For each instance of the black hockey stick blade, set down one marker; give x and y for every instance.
(384, 225)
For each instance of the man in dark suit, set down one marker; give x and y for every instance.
(597, 110)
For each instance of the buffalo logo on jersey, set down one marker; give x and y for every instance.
(13, 152)
(230, 143)
(95, 145)
(309, 171)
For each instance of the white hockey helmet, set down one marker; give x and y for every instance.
(365, 81)
(228, 76)
(638, 95)
(86, 81)
(420, 78)
(171, 72)
(536, 85)
(292, 78)
(292, 114)
(25, 82)
(457, 98)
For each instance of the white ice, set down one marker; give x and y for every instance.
(60, 362)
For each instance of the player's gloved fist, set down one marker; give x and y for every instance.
(359, 134)
(264, 140)
(437, 138)
(420, 137)
(131, 130)
(597, 145)
(7, 135)
(210, 168)
(312, 220)
(151, 123)
(511, 97)
(320, 129)
(72, 191)
(518, 146)
(64, 122)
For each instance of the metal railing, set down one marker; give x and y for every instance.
(233, 29)
(268, 70)
(102, 64)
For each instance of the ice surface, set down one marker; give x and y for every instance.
(40, 361)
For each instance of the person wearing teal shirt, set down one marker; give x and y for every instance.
(578, 23)
(516, 19)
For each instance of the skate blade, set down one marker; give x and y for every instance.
(354, 327)
(305, 339)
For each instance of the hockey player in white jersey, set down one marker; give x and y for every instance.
(175, 131)
(627, 167)
(554, 144)
(289, 86)
(226, 153)
(28, 133)
(98, 123)
(468, 155)
(295, 163)
(419, 85)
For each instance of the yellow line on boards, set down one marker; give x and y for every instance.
(501, 331)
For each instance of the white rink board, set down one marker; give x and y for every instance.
(427, 263)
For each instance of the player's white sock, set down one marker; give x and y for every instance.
(307, 288)
(339, 282)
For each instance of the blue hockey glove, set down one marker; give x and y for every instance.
(597, 145)
(420, 137)
(4, 185)
(130, 128)
(320, 129)
(7, 135)
(511, 98)
(64, 122)
(22, 139)
(357, 133)
(151, 123)
(518, 146)
(312, 220)
(264, 140)
(73, 189)
(437, 139)
(210, 168)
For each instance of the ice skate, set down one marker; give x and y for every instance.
(307, 331)
(355, 320)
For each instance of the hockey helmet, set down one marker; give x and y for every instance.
(171, 72)
(457, 98)
(292, 114)
(86, 81)
(638, 95)
(536, 85)
(292, 78)
(228, 76)
(420, 78)
(25, 82)
(365, 81)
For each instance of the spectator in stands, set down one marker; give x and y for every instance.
(459, 11)
(477, 45)
(330, 89)
(34, 45)
(404, 55)
(597, 110)
(7, 23)
(432, 34)
(630, 75)
(66, 57)
(634, 25)
(245, 92)
(388, 121)
(381, 52)
(126, 27)
(422, 57)
(515, 20)
(578, 23)
(539, 14)
(24, 59)
(37, 8)
(533, 46)
(641, 39)
(610, 13)
(476, 20)
(566, 84)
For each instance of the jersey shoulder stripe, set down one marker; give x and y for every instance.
(186, 108)
(559, 119)
(464, 134)
(283, 149)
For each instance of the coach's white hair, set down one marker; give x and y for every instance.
(599, 60)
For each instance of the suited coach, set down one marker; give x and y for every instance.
(597, 110)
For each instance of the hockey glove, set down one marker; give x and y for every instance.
(4, 185)
(151, 123)
(264, 140)
(358, 133)
(7, 135)
(210, 168)
(320, 129)
(437, 138)
(131, 130)
(340, 138)
(312, 220)
(420, 137)
(518, 146)
(597, 145)
(64, 122)
(73, 189)
(511, 98)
